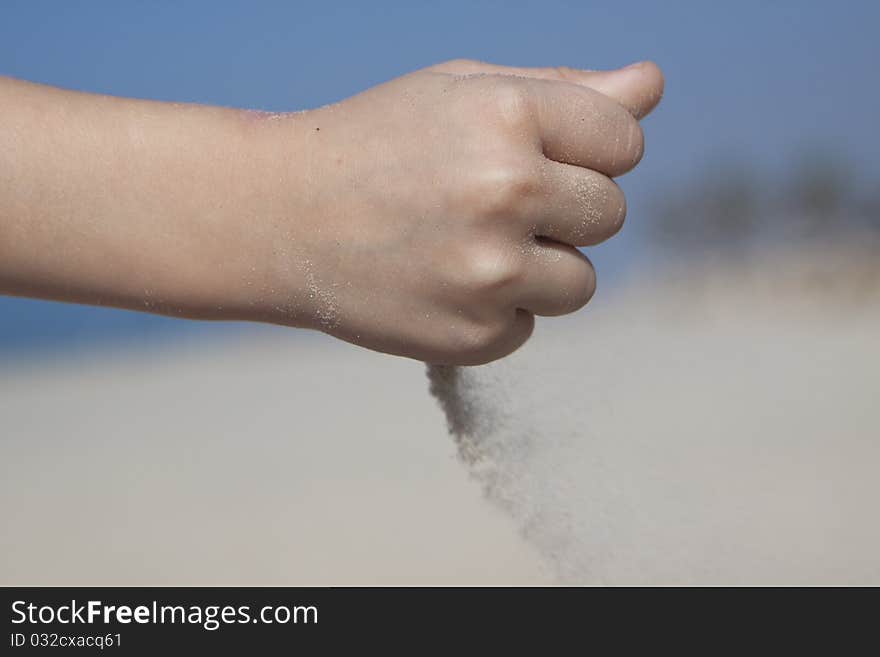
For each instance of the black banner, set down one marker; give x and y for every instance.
(127, 621)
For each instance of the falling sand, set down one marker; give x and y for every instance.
(710, 428)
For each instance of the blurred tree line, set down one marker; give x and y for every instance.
(732, 207)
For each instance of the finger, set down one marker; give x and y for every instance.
(492, 341)
(582, 207)
(559, 279)
(582, 127)
(516, 334)
(638, 87)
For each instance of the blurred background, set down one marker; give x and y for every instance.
(120, 430)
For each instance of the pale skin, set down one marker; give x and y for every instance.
(432, 216)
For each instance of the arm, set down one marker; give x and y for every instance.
(135, 204)
(431, 216)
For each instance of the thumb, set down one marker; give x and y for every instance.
(638, 87)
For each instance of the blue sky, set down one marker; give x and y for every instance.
(753, 81)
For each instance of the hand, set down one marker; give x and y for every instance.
(431, 217)
(436, 214)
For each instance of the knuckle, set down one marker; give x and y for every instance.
(492, 269)
(480, 342)
(503, 188)
(483, 336)
(509, 103)
(477, 343)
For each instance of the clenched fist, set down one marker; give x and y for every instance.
(432, 216)
(438, 213)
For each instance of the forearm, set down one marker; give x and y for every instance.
(135, 204)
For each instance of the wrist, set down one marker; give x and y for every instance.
(268, 212)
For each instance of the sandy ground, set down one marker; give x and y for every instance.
(723, 432)
(301, 461)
